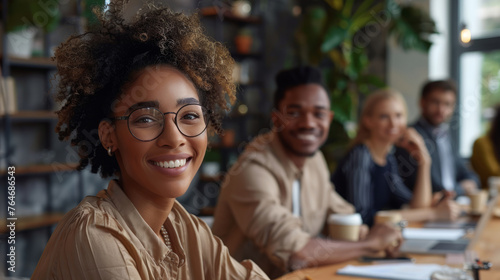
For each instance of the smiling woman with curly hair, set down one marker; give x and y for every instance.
(149, 88)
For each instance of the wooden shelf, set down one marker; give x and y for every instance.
(34, 62)
(229, 16)
(43, 168)
(207, 211)
(33, 116)
(213, 178)
(31, 222)
(240, 56)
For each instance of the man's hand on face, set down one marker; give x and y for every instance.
(469, 186)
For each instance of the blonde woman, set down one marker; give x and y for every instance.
(368, 176)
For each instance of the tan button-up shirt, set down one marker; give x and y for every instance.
(105, 237)
(254, 211)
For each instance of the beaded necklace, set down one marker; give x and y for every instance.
(166, 238)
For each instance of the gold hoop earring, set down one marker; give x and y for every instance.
(109, 152)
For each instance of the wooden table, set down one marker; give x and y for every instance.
(486, 244)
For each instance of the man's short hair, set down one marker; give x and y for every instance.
(287, 79)
(441, 85)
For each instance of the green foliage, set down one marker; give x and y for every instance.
(88, 6)
(490, 83)
(25, 13)
(335, 35)
(412, 29)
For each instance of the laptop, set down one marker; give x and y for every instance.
(420, 246)
(453, 245)
(465, 222)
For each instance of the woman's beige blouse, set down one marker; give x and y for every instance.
(104, 237)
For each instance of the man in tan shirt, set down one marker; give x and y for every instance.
(275, 200)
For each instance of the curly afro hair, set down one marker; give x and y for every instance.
(95, 68)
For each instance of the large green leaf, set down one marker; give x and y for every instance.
(309, 35)
(362, 19)
(337, 58)
(334, 36)
(413, 28)
(347, 9)
(341, 104)
(363, 8)
(335, 4)
(370, 80)
(358, 63)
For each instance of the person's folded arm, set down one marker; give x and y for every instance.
(320, 251)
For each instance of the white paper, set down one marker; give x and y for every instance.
(433, 233)
(402, 271)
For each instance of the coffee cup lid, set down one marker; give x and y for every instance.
(345, 219)
(385, 213)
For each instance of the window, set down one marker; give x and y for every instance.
(479, 92)
(481, 17)
(476, 67)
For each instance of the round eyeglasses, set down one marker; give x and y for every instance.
(147, 123)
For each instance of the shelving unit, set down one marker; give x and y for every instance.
(32, 222)
(229, 16)
(247, 116)
(41, 164)
(225, 26)
(34, 62)
(39, 169)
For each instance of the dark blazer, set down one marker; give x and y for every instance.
(408, 168)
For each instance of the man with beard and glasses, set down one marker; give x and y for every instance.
(275, 200)
(449, 172)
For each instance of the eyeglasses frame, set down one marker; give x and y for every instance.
(207, 121)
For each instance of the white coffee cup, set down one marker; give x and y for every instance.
(344, 226)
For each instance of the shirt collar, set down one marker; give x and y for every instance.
(140, 229)
(436, 131)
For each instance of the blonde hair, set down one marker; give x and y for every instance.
(369, 105)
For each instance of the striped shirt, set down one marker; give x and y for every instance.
(368, 186)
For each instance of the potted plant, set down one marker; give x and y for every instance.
(24, 18)
(243, 41)
(335, 35)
